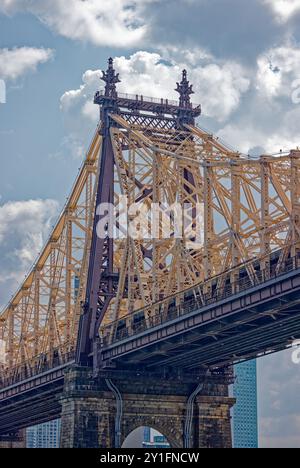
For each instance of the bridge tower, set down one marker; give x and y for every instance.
(102, 404)
(191, 411)
(174, 258)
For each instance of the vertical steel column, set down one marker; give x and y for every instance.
(11, 337)
(23, 327)
(36, 311)
(265, 216)
(295, 200)
(236, 221)
(100, 283)
(208, 224)
(156, 222)
(52, 305)
(68, 287)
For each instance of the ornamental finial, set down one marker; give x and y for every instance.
(185, 90)
(111, 78)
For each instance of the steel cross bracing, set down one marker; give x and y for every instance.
(151, 151)
(40, 324)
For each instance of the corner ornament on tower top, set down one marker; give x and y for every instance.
(185, 90)
(111, 78)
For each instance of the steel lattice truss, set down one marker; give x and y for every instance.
(39, 326)
(250, 208)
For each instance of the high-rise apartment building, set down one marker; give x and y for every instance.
(245, 422)
(44, 436)
(152, 439)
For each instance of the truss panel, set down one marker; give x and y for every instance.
(40, 324)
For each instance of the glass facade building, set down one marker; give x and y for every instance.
(245, 422)
(44, 436)
(153, 440)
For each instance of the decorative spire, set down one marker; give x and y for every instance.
(185, 90)
(111, 79)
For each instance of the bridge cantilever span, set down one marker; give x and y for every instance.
(228, 328)
(102, 312)
(259, 319)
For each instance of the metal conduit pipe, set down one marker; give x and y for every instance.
(190, 415)
(119, 413)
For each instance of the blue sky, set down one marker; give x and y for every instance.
(244, 60)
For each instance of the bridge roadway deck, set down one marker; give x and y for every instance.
(31, 401)
(256, 321)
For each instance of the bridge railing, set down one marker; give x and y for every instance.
(207, 293)
(29, 369)
(146, 99)
(140, 98)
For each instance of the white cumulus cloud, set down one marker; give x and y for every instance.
(18, 61)
(271, 118)
(24, 227)
(247, 136)
(102, 22)
(284, 9)
(279, 408)
(278, 69)
(218, 86)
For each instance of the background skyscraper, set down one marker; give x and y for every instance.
(44, 436)
(152, 439)
(245, 422)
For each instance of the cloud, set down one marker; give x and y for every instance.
(18, 61)
(82, 98)
(101, 22)
(284, 9)
(71, 145)
(233, 29)
(248, 136)
(278, 68)
(270, 117)
(128, 23)
(218, 85)
(253, 137)
(279, 406)
(24, 226)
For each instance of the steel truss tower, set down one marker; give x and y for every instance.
(148, 152)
